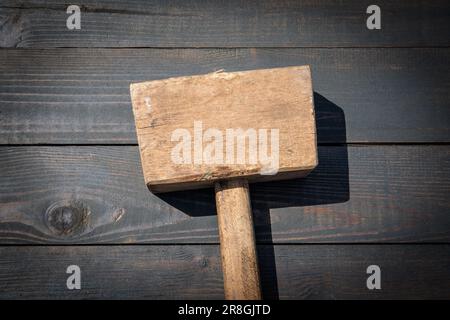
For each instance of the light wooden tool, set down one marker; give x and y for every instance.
(189, 137)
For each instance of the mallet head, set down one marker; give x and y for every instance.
(195, 130)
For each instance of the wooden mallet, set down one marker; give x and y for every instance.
(225, 130)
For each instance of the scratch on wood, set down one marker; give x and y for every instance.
(118, 214)
(148, 103)
(206, 176)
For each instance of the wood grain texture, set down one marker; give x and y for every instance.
(95, 195)
(237, 240)
(193, 272)
(193, 131)
(86, 194)
(218, 23)
(82, 96)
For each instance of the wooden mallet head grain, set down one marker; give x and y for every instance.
(225, 130)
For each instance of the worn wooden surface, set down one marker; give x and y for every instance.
(278, 101)
(356, 194)
(373, 88)
(237, 240)
(194, 272)
(235, 23)
(81, 96)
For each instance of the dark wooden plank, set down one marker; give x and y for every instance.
(97, 195)
(82, 96)
(194, 272)
(231, 23)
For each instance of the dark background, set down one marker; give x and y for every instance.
(71, 186)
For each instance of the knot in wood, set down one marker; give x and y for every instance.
(66, 218)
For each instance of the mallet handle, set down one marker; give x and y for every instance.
(237, 241)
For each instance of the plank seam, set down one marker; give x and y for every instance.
(217, 244)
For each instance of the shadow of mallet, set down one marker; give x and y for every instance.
(225, 130)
